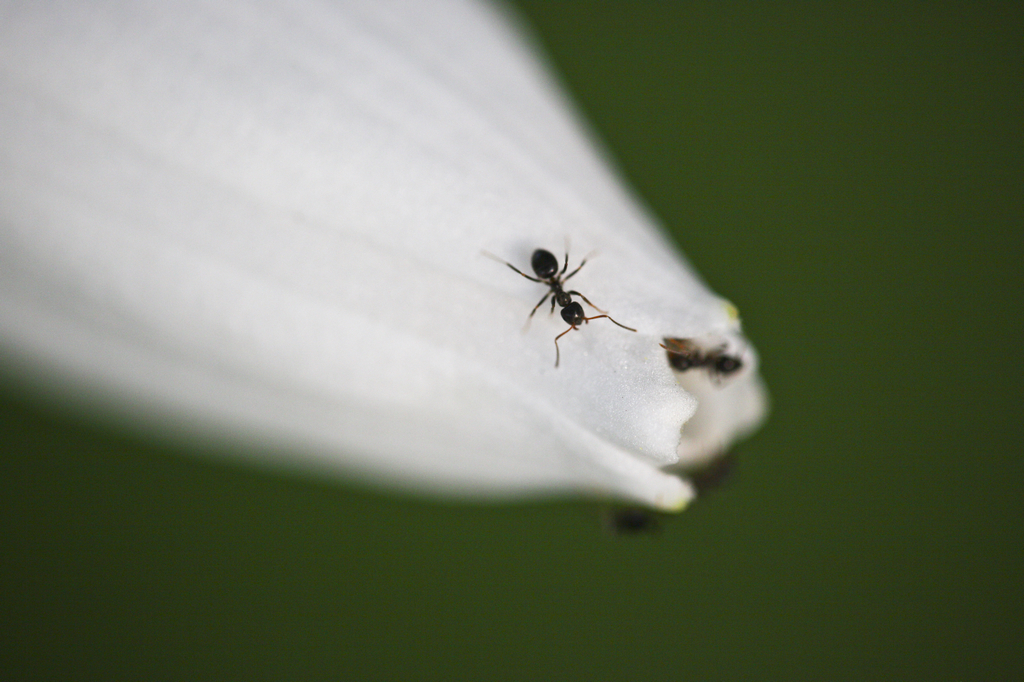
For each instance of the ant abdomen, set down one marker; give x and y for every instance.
(544, 264)
(726, 364)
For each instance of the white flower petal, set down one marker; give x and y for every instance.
(267, 219)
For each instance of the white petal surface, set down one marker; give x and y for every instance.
(266, 220)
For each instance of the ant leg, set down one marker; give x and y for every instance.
(557, 353)
(566, 265)
(582, 263)
(538, 305)
(622, 325)
(493, 257)
(524, 274)
(587, 301)
(598, 317)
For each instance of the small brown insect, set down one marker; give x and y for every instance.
(685, 354)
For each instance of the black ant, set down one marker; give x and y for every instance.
(545, 265)
(684, 354)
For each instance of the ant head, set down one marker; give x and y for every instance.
(682, 354)
(682, 362)
(563, 299)
(544, 264)
(573, 313)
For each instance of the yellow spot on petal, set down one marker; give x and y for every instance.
(679, 505)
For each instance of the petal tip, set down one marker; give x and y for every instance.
(677, 495)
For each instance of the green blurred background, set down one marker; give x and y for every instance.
(852, 177)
